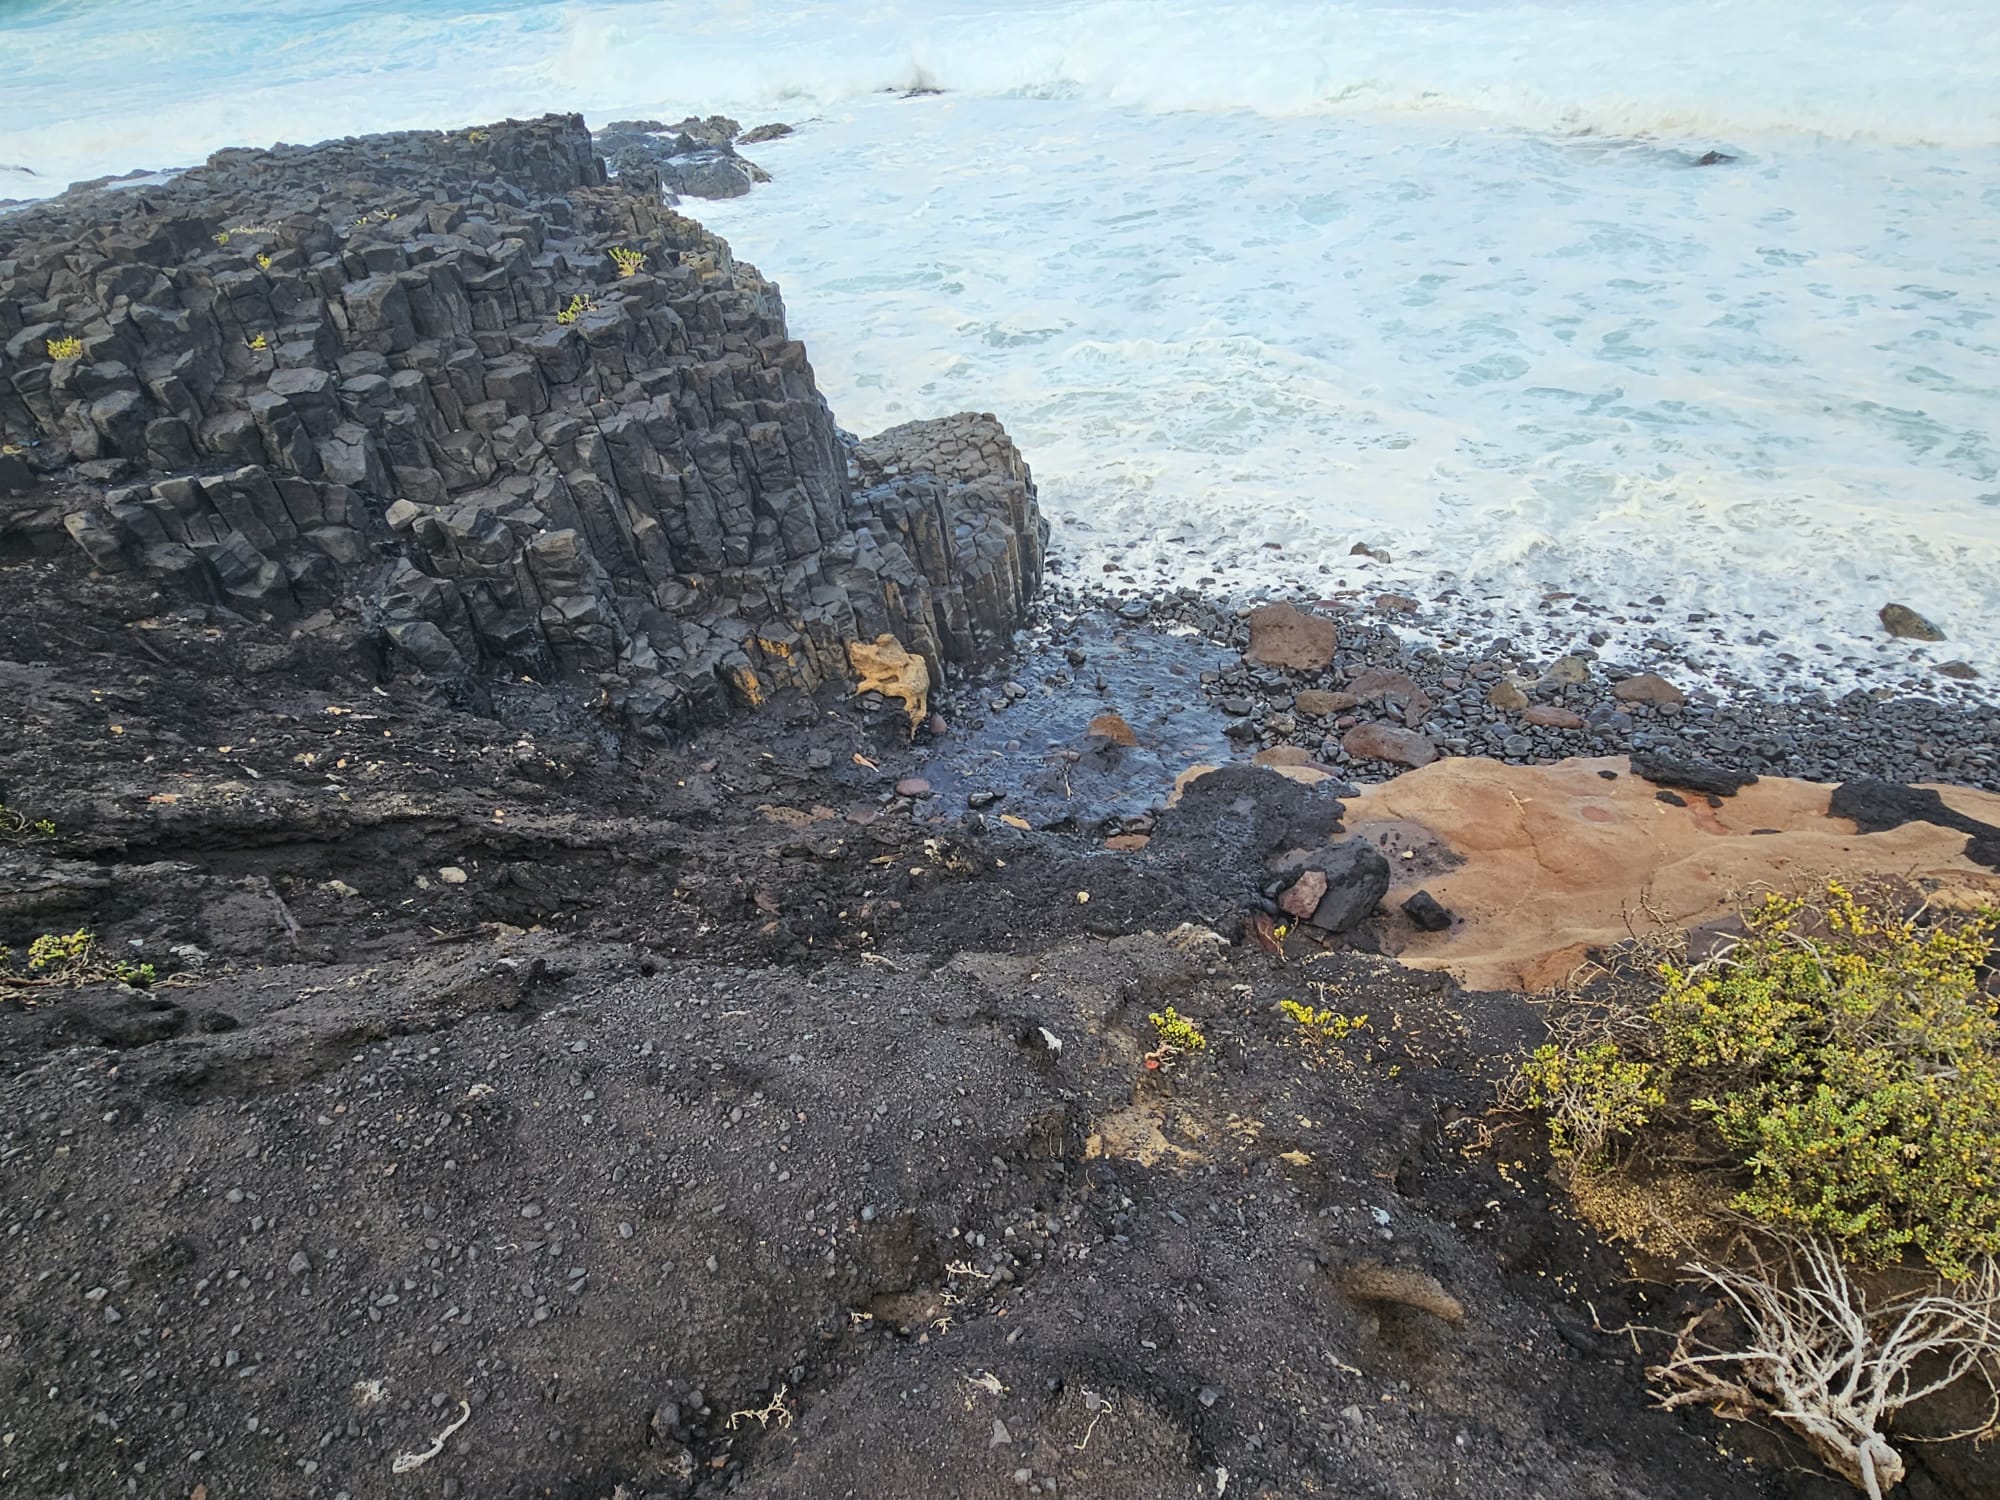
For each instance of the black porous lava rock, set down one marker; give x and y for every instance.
(1427, 913)
(1357, 878)
(1663, 769)
(1875, 806)
(697, 157)
(463, 399)
(1232, 822)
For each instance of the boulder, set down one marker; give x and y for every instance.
(1567, 671)
(1318, 703)
(1647, 687)
(1357, 878)
(1426, 912)
(1388, 742)
(1552, 716)
(1292, 639)
(1662, 769)
(1906, 624)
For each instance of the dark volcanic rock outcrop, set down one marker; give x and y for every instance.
(468, 399)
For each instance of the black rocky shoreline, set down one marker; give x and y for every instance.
(1493, 697)
(586, 1048)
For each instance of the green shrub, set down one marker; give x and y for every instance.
(1843, 1062)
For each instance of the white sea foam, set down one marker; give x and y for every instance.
(1438, 277)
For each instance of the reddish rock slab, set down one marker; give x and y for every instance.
(1128, 841)
(1386, 742)
(1302, 897)
(1396, 604)
(1281, 636)
(1396, 690)
(1112, 727)
(1318, 703)
(1551, 717)
(1647, 687)
(913, 786)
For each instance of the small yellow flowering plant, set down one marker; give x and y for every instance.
(1841, 1062)
(1177, 1032)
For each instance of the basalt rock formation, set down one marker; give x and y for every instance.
(475, 404)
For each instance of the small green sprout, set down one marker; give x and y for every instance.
(221, 237)
(257, 341)
(263, 261)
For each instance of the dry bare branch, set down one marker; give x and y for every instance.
(1814, 1353)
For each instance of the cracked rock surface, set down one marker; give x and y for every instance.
(464, 400)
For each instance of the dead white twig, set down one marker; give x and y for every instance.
(776, 1411)
(1815, 1355)
(403, 1463)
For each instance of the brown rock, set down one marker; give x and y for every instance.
(885, 667)
(1906, 624)
(1112, 727)
(1647, 687)
(1507, 697)
(1396, 690)
(1371, 1281)
(1318, 703)
(1396, 604)
(1550, 717)
(1281, 636)
(1555, 859)
(1399, 747)
(1303, 896)
(1568, 671)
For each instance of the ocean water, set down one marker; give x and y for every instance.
(1254, 280)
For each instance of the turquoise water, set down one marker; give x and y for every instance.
(1254, 281)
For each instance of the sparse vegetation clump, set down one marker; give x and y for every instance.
(16, 825)
(629, 262)
(1842, 1061)
(578, 306)
(1322, 1024)
(1838, 1069)
(1177, 1032)
(66, 347)
(73, 958)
